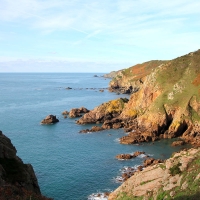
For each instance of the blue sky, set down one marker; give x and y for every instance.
(94, 35)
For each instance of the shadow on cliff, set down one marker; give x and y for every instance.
(189, 197)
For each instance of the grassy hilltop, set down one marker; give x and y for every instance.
(165, 99)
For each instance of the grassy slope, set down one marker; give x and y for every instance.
(136, 72)
(191, 192)
(180, 78)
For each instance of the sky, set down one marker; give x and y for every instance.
(94, 35)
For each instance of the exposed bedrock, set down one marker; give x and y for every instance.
(165, 102)
(175, 178)
(77, 112)
(106, 111)
(50, 119)
(17, 180)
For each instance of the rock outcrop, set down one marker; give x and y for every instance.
(65, 112)
(77, 112)
(106, 111)
(111, 74)
(130, 80)
(93, 129)
(167, 104)
(50, 119)
(165, 101)
(177, 178)
(17, 180)
(129, 156)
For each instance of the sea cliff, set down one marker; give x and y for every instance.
(17, 180)
(164, 101)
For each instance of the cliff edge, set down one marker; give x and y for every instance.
(17, 180)
(164, 101)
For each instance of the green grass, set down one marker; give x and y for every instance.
(124, 196)
(175, 169)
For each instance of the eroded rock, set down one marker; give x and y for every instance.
(178, 143)
(15, 176)
(50, 119)
(77, 112)
(106, 111)
(93, 129)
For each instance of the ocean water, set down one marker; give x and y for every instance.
(68, 165)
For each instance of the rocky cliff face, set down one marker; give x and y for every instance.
(17, 180)
(168, 104)
(106, 111)
(111, 74)
(176, 178)
(130, 80)
(165, 101)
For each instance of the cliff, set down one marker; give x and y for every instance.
(167, 104)
(177, 178)
(111, 74)
(17, 180)
(165, 101)
(131, 79)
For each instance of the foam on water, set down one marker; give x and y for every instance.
(142, 156)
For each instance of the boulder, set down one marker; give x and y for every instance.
(77, 112)
(137, 153)
(129, 156)
(65, 112)
(50, 119)
(124, 156)
(151, 161)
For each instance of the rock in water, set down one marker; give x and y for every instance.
(77, 112)
(50, 119)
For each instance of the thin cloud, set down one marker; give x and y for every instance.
(95, 29)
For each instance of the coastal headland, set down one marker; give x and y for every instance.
(164, 103)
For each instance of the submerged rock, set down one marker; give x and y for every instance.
(93, 129)
(129, 156)
(178, 143)
(50, 119)
(65, 112)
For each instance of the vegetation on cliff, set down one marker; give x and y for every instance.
(167, 103)
(106, 111)
(129, 80)
(176, 178)
(164, 101)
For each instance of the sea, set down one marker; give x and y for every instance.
(69, 165)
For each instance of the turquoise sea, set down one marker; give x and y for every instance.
(68, 165)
